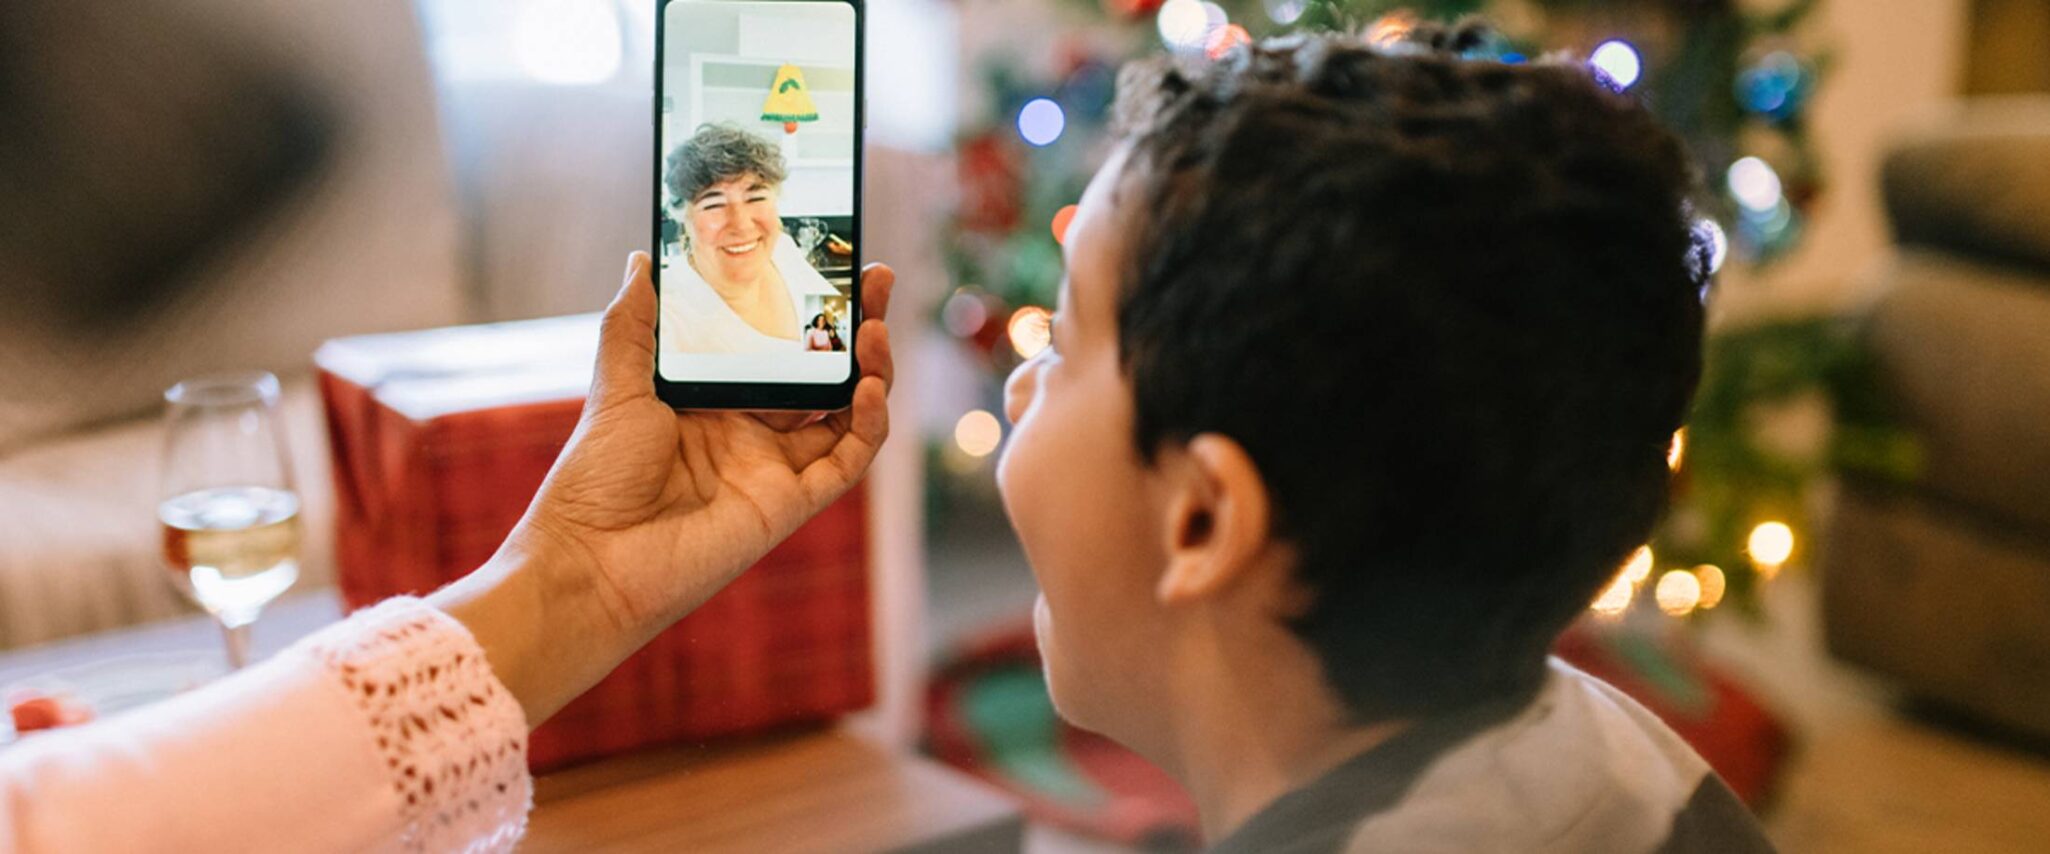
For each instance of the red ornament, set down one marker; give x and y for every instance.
(992, 179)
(994, 331)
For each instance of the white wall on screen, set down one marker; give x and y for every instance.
(752, 40)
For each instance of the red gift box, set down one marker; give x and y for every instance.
(440, 439)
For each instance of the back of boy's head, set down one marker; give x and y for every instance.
(1451, 308)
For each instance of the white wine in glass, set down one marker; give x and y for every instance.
(228, 514)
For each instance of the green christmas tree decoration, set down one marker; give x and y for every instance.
(1732, 82)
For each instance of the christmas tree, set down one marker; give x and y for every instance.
(1734, 83)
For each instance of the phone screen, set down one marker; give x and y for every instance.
(759, 129)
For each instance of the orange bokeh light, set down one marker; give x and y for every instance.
(1061, 219)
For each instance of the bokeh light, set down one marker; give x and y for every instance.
(1712, 584)
(1639, 567)
(568, 42)
(1776, 87)
(1615, 598)
(1755, 185)
(1391, 28)
(978, 433)
(1677, 452)
(1617, 60)
(1718, 243)
(1041, 121)
(1061, 220)
(1286, 11)
(1224, 38)
(1771, 544)
(1031, 330)
(1183, 23)
(964, 313)
(1678, 592)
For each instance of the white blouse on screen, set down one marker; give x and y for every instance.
(695, 319)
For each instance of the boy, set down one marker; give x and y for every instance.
(1363, 377)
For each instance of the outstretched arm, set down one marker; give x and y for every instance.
(649, 511)
(404, 726)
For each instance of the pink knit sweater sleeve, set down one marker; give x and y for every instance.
(386, 731)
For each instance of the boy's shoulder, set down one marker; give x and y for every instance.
(1579, 767)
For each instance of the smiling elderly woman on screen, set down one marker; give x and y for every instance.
(742, 282)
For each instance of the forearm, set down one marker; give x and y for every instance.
(543, 623)
(382, 731)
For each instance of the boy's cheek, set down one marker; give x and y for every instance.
(1030, 480)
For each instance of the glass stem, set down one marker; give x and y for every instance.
(238, 644)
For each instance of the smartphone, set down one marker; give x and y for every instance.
(757, 202)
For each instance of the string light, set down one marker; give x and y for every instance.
(1224, 38)
(1718, 243)
(978, 434)
(1776, 87)
(1391, 28)
(1041, 121)
(1755, 185)
(1061, 219)
(1639, 567)
(1615, 598)
(1678, 450)
(1286, 11)
(1183, 23)
(1031, 329)
(1678, 592)
(964, 313)
(1617, 61)
(1770, 545)
(1712, 584)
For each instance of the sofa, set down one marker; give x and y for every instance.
(211, 185)
(1942, 582)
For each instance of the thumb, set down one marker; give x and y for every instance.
(626, 337)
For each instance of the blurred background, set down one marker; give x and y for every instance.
(1845, 612)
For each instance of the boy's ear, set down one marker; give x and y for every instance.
(1217, 522)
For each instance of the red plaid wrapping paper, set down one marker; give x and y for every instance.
(424, 495)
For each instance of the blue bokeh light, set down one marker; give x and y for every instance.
(1041, 121)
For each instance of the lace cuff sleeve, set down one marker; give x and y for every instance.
(452, 740)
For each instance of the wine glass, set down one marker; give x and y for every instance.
(229, 515)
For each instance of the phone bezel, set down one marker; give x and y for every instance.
(763, 395)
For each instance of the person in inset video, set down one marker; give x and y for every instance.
(821, 336)
(741, 284)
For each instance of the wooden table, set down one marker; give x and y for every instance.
(822, 790)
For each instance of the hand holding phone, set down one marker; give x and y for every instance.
(650, 511)
(758, 125)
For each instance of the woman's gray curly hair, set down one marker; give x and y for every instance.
(718, 153)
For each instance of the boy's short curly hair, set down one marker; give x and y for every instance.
(1453, 311)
